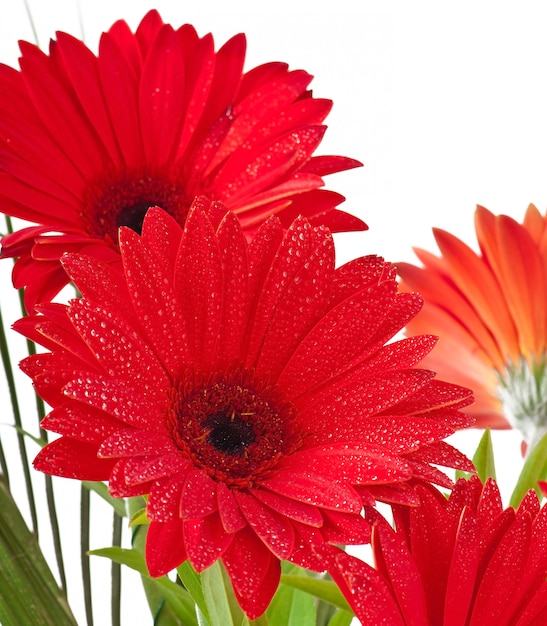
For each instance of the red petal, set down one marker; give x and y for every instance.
(73, 459)
(395, 563)
(235, 297)
(164, 547)
(228, 508)
(273, 529)
(349, 462)
(205, 540)
(314, 490)
(199, 497)
(81, 422)
(463, 571)
(163, 504)
(366, 591)
(298, 511)
(198, 285)
(254, 572)
(153, 299)
(131, 442)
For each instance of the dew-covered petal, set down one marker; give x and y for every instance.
(394, 562)
(345, 528)
(118, 484)
(151, 290)
(273, 529)
(504, 568)
(314, 489)
(164, 547)
(349, 462)
(337, 340)
(228, 509)
(463, 570)
(235, 296)
(366, 591)
(298, 309)
(163, 502)
(293, 509)
(140, 469)
(205, 540)
(199, 497)
(198, 286)
(138, 408)
(131, 442)
(254, 572)
(82, 422)
(71, 458)
(117, 346)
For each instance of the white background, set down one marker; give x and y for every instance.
(444, 102)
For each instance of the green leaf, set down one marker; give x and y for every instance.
(118, 504)
(324, 589)
(341, 618)
(29, 594)
(215, 593)
(484, 457)
(178, 598)
(192, 581)
(291, 607)
(534, 469)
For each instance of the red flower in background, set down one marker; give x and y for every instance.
(461, 561)
(246, 388)
(490, 312)
(88, 143)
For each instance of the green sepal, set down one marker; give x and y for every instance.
(483, 458)
(178, 598)
(139, 518)
(534, 469)
(29, 594)
(259, 621)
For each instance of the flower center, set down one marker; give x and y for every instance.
(123, 200)
(232, 427)
(229, 433)
(523, 392)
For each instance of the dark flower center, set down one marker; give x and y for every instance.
(133, 216)
(229, 433)
(122, 199)
(232, 427)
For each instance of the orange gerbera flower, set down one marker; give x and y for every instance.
(490, 312)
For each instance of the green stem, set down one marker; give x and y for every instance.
(84, 549)
(8, 369)
(116, 572)
(50, 497)
(32, 24)
(159, 609)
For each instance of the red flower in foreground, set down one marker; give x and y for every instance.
(245, 387)
(461, 561)
(490, 312)
(88, 143)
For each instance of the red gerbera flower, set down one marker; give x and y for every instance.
(461, 561)
(245, 387)
(88, 143)
(490, 312)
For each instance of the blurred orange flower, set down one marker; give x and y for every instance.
(490, 312)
